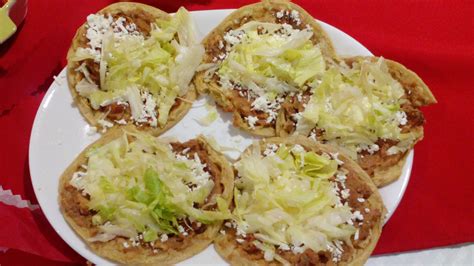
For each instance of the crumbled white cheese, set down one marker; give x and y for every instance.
(147, 110)
(336, 250)
(221, 44)
(369, 148)
(357, 216)
(356, 235)
(239, 240)
(270, 149)
(367, 210)
(401, 118)
(126, 245)
(201, 176)
(360, 199)
(98, 26)
(345, 193)
(251, 120)
(295, 15)
(233, 37)
(164, 238)
(77, 180)
(312, 136)
(280, 14)
(284, 247)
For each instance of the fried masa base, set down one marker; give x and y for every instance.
(114, 249)
(230, 250)
(259, 12)
(93, 116)
(417, 93)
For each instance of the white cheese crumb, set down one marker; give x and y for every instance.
(251, 120)
(239, 240)
(356, 235)
(357, 216)
(233, 37)
(126, 245)
(345, 193)
(369, 148)
(360, 199)
(284, 247)
(279, 14)
(271, 149)
(98, 26)
(164, 238)
(401, 117)
(295, 15)
(297, 250)
(367, 210)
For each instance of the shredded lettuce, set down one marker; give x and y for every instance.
(355, 107)
(162, 65)
(141, 186)
(287, 199)
(279, 59)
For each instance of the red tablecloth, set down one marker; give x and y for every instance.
(434, 38)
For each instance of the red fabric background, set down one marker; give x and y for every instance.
(433, 38)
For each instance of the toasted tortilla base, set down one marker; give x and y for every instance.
(91, 115)
(114, 249)
(259, 12)
(420, 95)
(227, 247)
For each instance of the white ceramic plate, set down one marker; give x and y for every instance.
(60, 133)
